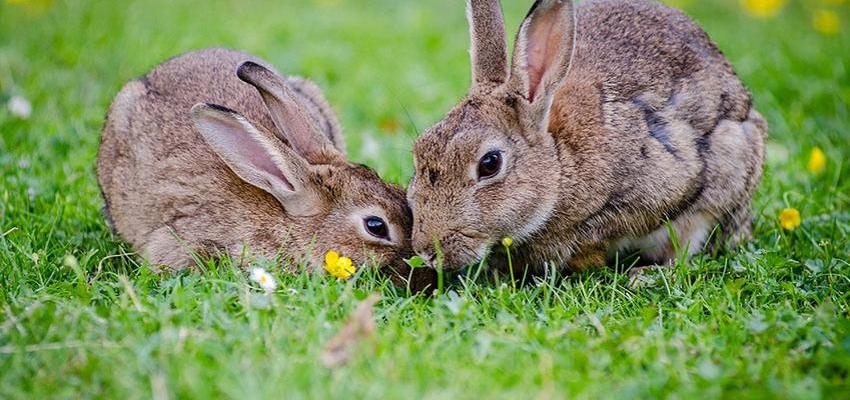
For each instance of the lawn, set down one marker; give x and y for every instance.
(82, 317)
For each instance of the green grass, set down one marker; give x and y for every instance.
(769, 320)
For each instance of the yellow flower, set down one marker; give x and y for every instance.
(817, 161)
(340, 267)
(763, 8)
(789, 218)
(826, 22)
(507, 242)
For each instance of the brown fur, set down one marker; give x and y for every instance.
(170, 194)
(648, 123)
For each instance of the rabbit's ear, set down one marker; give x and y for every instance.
(255, 158)
(289, 117)
(488, 48)
(543, 50)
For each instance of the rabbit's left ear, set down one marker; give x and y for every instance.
(544, 48)
(257, 159)
(292, 121)
(488, 49)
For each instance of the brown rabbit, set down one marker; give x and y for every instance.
(182, 176)
(609, 122)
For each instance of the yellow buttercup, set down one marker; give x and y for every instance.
(789, 219)
(337, 266)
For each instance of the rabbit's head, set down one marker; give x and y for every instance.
(490, 168)
(328, 203)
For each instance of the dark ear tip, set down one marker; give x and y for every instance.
(201, 108)
(545, 4)
(533, 8)
(220, 108)
(247, 69)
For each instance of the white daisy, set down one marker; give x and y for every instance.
(264, 279)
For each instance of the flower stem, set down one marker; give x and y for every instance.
(511, 267)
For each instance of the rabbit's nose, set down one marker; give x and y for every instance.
(425, 241)
(424, 248)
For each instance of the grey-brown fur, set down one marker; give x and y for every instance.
(648, 123)
(171, 192)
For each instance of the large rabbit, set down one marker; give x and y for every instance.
(610, 121)
(181, 176)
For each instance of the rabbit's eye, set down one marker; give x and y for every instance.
(377, 227)
(489, 165)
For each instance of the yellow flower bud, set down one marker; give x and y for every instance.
(789, 219)
(507, 242)
(817, 161)
(763, 8)
(826, 22)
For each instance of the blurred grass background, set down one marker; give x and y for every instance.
(81, 319)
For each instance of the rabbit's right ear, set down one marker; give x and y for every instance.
(255, 158)
(543, 51)
(289, 117)
(488, 48)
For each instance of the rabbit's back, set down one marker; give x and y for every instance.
(641, 45)
(656, 59)
(660, 119)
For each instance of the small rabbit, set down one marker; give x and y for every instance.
(183, 173)
(609, 122)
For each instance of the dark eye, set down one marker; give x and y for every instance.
(377, 227)
(489, 165)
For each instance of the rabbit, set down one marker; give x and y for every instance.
(183, 174)
(615, 122)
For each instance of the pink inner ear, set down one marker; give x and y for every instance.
(542, 43)
(261, 159)
(243, 152)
